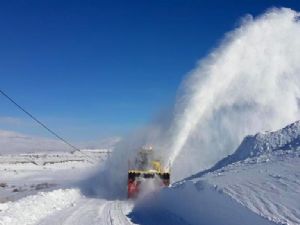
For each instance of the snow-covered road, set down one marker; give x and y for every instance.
(65, 207)
(39, 193)
(91, 211)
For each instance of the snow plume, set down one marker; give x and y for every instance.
(250, 83)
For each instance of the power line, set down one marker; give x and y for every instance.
(42, 124)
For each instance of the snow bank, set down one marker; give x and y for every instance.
(263, 147)
(196, 204)
(262, 175)
(262, 143)
(30, 210)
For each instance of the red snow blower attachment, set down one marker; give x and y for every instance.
(146, 168)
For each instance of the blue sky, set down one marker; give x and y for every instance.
(91, 69)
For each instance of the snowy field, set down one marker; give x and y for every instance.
(258, 184)
(24, 174)
(43, 188)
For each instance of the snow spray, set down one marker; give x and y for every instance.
(250, 83)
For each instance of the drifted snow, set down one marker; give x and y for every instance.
(194, 204)
(263, 174)
(287, 138)
(264, 147)
(31, 209)
(268, 188)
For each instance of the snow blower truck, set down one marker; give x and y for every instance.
(144, 169)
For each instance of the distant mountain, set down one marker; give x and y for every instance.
(266, 144)
(13, 142)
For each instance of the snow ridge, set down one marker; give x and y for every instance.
(262, 145)
(287, 138)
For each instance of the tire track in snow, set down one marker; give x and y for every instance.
(92, 212)
(115, 214)
(86, 211)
